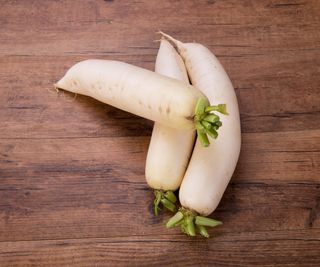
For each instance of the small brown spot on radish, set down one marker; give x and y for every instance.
(75, 83)
(168, 110)
(189, 118)
(160, 109)
(149, 107)
(140, 103)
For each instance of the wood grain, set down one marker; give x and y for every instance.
(72, 188)
(153, 250)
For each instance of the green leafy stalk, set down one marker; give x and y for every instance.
(168, 205)
(166, 198)
(218, 123)
(201, 105)
(190, 226)
(211, 118)
(212, 132)
(200, 220)
(189, 221)
(156, 202)
(206, 122)
(170, 196)
(203, 138)
(175, 219)
(206, 125)
(203, 231)
(222, 108)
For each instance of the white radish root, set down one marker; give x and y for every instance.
(170, 148)
(210, 169)
(136, 90)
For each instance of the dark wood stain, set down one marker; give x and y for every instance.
(72, 185)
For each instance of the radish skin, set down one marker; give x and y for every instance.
(136, 90)
(169, 149)
(142, 92)
(169, 63)
(210, 169)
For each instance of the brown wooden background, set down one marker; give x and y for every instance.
(72, 188)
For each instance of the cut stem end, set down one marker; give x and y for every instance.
(206, 121)
(165, 198)
(189, 222)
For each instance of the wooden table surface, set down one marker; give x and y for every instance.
(72, 186)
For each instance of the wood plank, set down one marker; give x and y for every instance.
(279, 157)
(72, 186)
(295, 248)
(107, 27)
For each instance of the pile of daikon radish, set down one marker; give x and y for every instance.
(202, 166)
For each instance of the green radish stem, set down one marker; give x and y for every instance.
(203, 138)
(190, 226)
(204, 221)
(168, 205)
(212, 118)
(189, 221)
(166, 198)
(170, 196)
(206, 122)
(212, 132)
(222, 108)
(175, 220)
(203, 231)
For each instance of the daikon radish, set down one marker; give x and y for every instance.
(147, 94)
(169, 149)
(210, 169)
